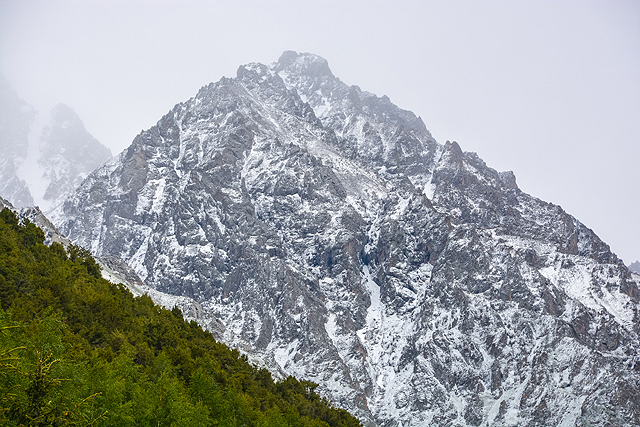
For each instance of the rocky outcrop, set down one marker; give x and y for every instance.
(117, 271)
(336, 240)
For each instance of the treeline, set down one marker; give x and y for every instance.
(76, 349)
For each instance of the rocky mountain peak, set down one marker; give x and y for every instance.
(68, 153)
(65, 134)
(16, 117)
(254, 71)
(64, 116)
(334, 239)
(43, 161)
(304, 64)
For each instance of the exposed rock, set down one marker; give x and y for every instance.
(336, 240)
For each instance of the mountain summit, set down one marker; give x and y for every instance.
(334, 239)
(68, 153)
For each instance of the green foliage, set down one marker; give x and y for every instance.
(78, 350)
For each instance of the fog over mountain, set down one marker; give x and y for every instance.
(16, 117)
(66, 154)
(434, 228)
(43, 159)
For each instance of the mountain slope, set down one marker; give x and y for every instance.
(116, 271)
(336, 240)
(78, 350)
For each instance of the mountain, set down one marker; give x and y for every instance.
(116, 271)
(635, 267)
(43, 161)
(16, 117)
(335, 239)
(68, 153)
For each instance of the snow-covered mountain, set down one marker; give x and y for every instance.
(43, 159)
(16, 118)
(334, 239)
(67, 154)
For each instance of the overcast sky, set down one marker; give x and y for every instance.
(548, 89)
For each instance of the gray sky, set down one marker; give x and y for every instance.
(548, 89)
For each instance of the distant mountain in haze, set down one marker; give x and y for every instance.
(68, 153)
(16, 118)
(635, 267)
(333, 238)
(43, 161)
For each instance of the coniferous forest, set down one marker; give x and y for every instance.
(76, 349)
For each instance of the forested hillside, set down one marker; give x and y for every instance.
(78, 350)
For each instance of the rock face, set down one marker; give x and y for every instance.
(117, 271)
(336, 240)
